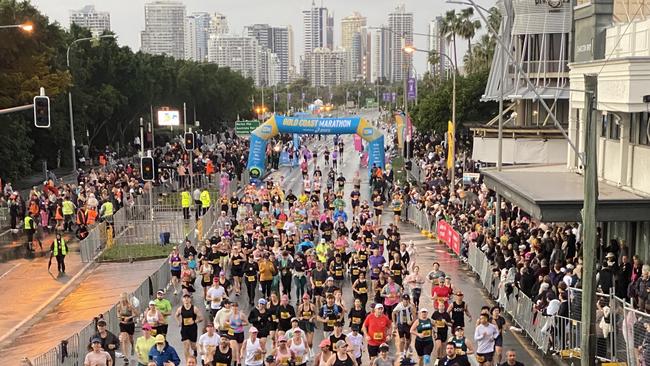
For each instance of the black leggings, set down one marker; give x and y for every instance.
(286, 283)
(266, 288)
(416, 292)
(250, 290)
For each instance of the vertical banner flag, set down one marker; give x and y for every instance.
(303, 97)
(289, 96)
(359, 93)
(450, 143)
(409, 129)
(358, 144)
(393, 97)
(385, 97)
(411, 85)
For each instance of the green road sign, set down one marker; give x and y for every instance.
(244, 128)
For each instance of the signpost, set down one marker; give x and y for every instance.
(244, 128)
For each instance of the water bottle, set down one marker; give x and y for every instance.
(427, 359)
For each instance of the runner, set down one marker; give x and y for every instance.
(414, 282)
(458, 310)
(306, 318)
(252, 353)
(422, 328)
(236, 330)
(377, 329)
(299, 348)
(261, 321)
(208, 343)
(403, 316)
(188, 318)
(127, 312)
(464, 346)
(484, 335)
(442, 321)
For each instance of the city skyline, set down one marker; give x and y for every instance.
(127, 18)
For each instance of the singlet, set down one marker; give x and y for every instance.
(175, 263)
(125, 313)
(306, 311)
(357, 316)
(338, 271)
(283, 357)
(236, 323)
(425, 327)
(299, 352)
(152, 319)
(254, 353)
(221, 358)
(188, 316)
(236, 262)
(396, 269)
(339, 362)
(458, 313)
(404, 314)
(362, 288)
(461, 345)
(381, 362)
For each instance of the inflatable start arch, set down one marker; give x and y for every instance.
(313, 125)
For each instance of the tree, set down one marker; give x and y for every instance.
(467, 27)
(449, 29)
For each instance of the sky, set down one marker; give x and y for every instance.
(127, 16)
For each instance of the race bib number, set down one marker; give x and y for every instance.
(284, 315)
(338, 273)
(258, 356)
(298, 360)
(220, 364)
(356, 321)
(363, 290)
(251, 278)
(330, 323)
(375, 270)
(378, 336)
(318, 283)
(426, 333)
(188, 321)
(231, 332)
(355, 272)
(397, 272)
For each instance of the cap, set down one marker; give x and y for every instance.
(222, 273)
(252, 330)
(96, 340)
(261, 301)
(101, 322)
(406, 297)
(152, 302)
(330, 279)
(383, 347)
(161, 291)
(215, 280)
(340, 343)
(610, 255)
(160, 338)
(282, 339)
(305, 296)
(324, 343)
(379, 306)
(424, 310)
(459, 328)
(187, 295)
(298, 330)
(146, 326)
(294, 320)
(459, 293)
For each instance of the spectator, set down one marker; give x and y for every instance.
(163, 353)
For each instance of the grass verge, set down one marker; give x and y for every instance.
(119, 253)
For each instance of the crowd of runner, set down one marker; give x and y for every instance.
(294, 257)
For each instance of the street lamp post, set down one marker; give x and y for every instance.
(67, 59)
(26, 27)
(411, 49)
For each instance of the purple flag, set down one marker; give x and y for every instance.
(393, 97)
(411, 85)
(289, 96)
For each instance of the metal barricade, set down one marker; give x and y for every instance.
(93, 243)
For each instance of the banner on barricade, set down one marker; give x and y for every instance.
(449, 236)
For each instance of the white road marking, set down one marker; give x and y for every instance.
(11, 269)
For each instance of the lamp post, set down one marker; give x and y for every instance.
(411, 49)
(67, 59)
(27, 27)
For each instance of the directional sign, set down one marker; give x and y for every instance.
(244, 128)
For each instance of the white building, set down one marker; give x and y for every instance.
(164, 29)
(354, 38)
(197, 28)
(437, 44)
(278, 41)
(240, 53)
(324, 67)
(401, 25)
(219, 24)
(381, 55)
(315, 22)
(87, 17)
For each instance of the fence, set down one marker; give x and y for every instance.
(93, 243)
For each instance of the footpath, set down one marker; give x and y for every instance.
(97, 292)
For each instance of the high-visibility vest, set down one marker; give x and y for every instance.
(185, 199)
(68, 207)
(64, 249)
(82, 217)
(205, 199)
(108, 209)
(58, 214)
(92, 216)
(29, 222)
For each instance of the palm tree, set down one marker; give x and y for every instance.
(467, 27)
(449, 29)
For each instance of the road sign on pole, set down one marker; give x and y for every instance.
(244, 128)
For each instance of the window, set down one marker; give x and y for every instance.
(603, 126)
(614, 127)
(644, 129)
(634, 127)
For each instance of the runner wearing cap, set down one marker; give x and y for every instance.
(306, 318)
(458, 309)
(422, 328)
(299, 348)
(97, 357)
(383, 359)
(377, 330)
(236, 329)
(252, 352)
(143, 344)
(464, 346)
(343, 356)
(215, 295)
(325, 353)
(261, 319)
(442, 321)
(403, 315)
(223, 355)
(282, 354)
(163, 353)
(208, 343)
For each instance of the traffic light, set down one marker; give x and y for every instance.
(147, 168)
(189, 141)
(42, 111)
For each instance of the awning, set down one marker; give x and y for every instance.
(552, 193)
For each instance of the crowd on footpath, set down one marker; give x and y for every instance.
(292, 259)
(542, 260)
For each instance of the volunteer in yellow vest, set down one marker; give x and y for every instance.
(30, 229)
(106, 211)
(59, 251)
(68, 213)
(186, 200)
(205, 201)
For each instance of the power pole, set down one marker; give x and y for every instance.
(588, 315)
